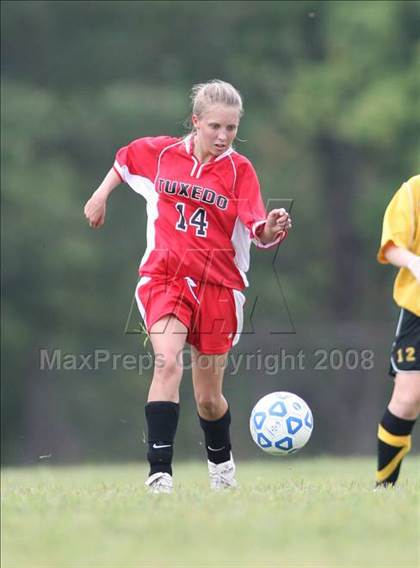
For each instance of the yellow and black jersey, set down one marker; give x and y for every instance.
(401, 227)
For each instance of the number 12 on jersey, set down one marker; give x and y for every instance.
(198, 220)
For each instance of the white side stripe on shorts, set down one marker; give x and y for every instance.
(143, 280)
(191, 285)
(239, 307)
(397, 332)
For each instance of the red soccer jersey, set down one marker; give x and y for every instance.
(201, 218)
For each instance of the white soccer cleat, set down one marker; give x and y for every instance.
(222, 475)
(159, 483)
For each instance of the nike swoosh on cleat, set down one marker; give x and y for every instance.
(157, 447)
(216, 449)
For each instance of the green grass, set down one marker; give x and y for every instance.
(288, 512)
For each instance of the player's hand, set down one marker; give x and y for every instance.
(278, 221)
(95, 210)
(414, 267)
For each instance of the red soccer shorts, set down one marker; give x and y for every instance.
(212, 314)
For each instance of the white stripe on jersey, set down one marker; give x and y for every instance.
(200, 169)
(160, 157)
(146, 189)
(227, 152)
(187, 143)
(194, 166)
(241, 242)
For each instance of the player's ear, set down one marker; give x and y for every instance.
(195, 121)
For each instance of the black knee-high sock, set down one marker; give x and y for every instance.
(217, 437)
(162, 420)
(394, 442)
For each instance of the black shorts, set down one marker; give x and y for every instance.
(405, 354)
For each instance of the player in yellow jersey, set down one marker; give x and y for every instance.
(400, 246)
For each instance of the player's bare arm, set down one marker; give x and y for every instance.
(278, 220)
(401, 257)
(95, 208)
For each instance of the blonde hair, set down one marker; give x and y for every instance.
(214, 92)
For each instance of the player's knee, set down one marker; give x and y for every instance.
(208, 405)
(167, 369)
(416, 400)
(405, 404)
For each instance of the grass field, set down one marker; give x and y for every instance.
(287, 513)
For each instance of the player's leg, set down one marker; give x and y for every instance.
(394, 432)
(168, 337)
(162, 409)
(214, 416)
(405, 400)
(212, 407)
(217, 326)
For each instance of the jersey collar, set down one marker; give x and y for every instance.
(189, 147)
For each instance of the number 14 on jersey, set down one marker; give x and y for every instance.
(198, 220)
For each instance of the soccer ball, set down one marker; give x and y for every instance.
(281, 423)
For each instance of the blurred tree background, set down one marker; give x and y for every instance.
(332, 122)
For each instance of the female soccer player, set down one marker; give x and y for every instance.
(400, 246)
(204, 208)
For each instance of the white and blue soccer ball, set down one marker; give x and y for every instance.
(281, 423)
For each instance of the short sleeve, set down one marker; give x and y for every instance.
(140, 157)
(396, 227)
(251, 209)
